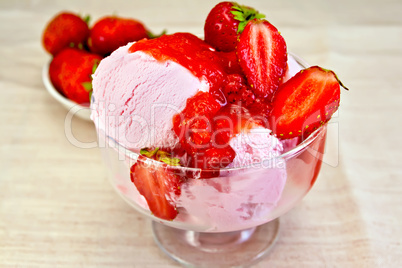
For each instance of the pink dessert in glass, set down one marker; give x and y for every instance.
(213, 145)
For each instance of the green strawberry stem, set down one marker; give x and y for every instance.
(94, 67)
(152, 35)
(148, 153)
(171, 161)
(244, 15)
(336, 77)
(340, 82)
(87, 86)
(160, 156)
(87, 19)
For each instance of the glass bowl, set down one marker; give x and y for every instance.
(228, 220)
(233, 214)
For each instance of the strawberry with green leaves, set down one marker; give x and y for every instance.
(70, 72)
(65, 30)
(225, 22)
(157, 182)
(305, 102)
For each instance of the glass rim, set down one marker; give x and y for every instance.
(284, 156)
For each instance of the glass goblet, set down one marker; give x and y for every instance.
(231, 219)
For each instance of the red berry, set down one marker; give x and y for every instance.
(192, 125)
(260, 111)
(224, 129)
(200, 130)
(305, 102)
(158, 185)
(202, 104)
(230, 62)
(263, 57)
(236, 90)
(228, 122)
(70, 72)
(194, 128)
(110, 33)
(63, 31)
(224, 24)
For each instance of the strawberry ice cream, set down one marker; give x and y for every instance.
(141, 95)
(216, 136)
(254, 146)
(240, 198)
(243, 200)
(136, 96)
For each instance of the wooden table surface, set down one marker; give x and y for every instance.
(57, 208)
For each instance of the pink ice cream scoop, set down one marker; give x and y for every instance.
(136, 96)
(241, 197)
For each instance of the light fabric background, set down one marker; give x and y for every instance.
(58, 210)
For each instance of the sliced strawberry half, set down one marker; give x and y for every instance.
(263, 57)
(305, 102)
(158, 185)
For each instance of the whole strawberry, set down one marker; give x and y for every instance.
(65, 30)
(225, 22)
(112, 32)
(70, 72)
